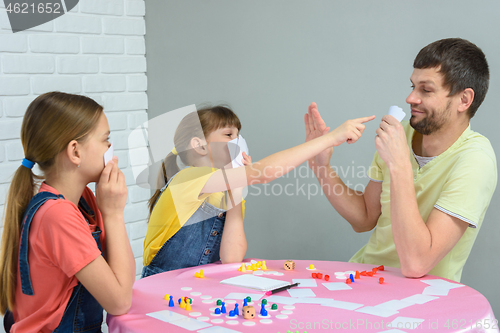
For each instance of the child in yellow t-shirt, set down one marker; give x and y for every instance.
(197, 215)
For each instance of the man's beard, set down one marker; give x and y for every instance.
(432, 123)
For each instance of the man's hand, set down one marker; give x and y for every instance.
(316, 127)
(391, 143)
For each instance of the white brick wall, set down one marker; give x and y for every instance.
(97, 49)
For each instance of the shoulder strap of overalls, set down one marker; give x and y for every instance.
(36, 202)
(164, 187)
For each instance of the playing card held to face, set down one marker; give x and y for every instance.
(236, 149)
(397, 112)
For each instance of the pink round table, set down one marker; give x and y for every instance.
(399, 304)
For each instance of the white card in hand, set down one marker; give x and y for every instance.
(108, 155)
(397, 112)
(236, 149)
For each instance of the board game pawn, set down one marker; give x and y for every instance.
(231, 313)
(219, 302)
(262, 309)
(223, 308)
(264, 267)
(183, 304)
(274, 306)
(245, 303)
(351, 277)
(236, 310)
(188, 306)
(171, 302)
(217, 311)
(264, 313)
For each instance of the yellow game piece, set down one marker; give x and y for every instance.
(188, 306)
(183, 304)
(264, 267)
(196, 274)
(239, 269)
(254, 268)
(311, 266)
(259, 263)
(167, 297)
(201, 273)
(249, 267)
(243, 268)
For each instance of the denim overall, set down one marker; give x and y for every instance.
(83, 313)
(196, 243)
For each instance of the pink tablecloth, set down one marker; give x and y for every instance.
(462, 310)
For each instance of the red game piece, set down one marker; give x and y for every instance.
(381, 267)
(357, 275)
(327, 277)
(363, 273)
(381, 280)
(319, 275)
(314, 275)
(374, 270)
(348, 281)
(369, 273)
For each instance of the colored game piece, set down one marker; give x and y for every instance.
(236, 310)
(274, 306)
(219, 302)
(217, 311)
(381, 267)
(264, 301)
(248, 312)
(262, 309)
(259, 264)
(245, 302)
(374, 270)
(201, 273)
(264, 267)
(231, 313)
(311, 266)
(254, 267)
(319, 275)
(167, 297)
(357, 276)
(183, 303)
(190, 300)
(249, 299)
(363, 273)
(188, 306)
(263, 313)
(314, 275)
(223, 308)
(171, 302)
(180, 299)
(381, 280)
(289, 265)
(327, 277)
(239, 269)
(351, 277)
(243, 268)
(348, 281)
(369, 273)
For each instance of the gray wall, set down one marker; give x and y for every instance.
(269, 59)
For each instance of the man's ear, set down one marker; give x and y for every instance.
(466, 99)
(73, 153)
(199, 146)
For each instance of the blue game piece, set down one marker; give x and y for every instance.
(217, 311)
(223, 308)
(231, 313)
(236, 310)
(180, 299)
(245, 302)
(264, 313)
(263, 309)
(352, 278)
(171, 302)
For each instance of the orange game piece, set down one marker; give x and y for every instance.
(319, 275)
(348, 281)
(381, 267)
(363, 273)
(381, 280)
(357, 275)
(314, 275)
(369, 273)
(327, 277)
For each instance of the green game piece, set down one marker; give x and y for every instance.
(219, 302)
(264, 301)
(274, 307)
(190, 301)
(249, 299)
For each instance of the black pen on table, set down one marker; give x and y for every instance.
(270, 292)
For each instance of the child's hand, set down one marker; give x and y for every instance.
(316, 127)
(350, 131)
(247, 160)
(111, 192)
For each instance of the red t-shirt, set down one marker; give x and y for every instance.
(60, 245)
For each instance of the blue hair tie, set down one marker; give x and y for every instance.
(27, 163)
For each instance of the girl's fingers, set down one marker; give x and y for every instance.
(364, 119)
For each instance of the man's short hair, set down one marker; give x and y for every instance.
(462, 64)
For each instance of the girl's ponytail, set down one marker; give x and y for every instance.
(168, 169)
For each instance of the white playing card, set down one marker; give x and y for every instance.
(236, 149)
(397, 112)
(108, 155)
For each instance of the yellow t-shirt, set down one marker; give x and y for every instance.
(178, 202)
(459, 182)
